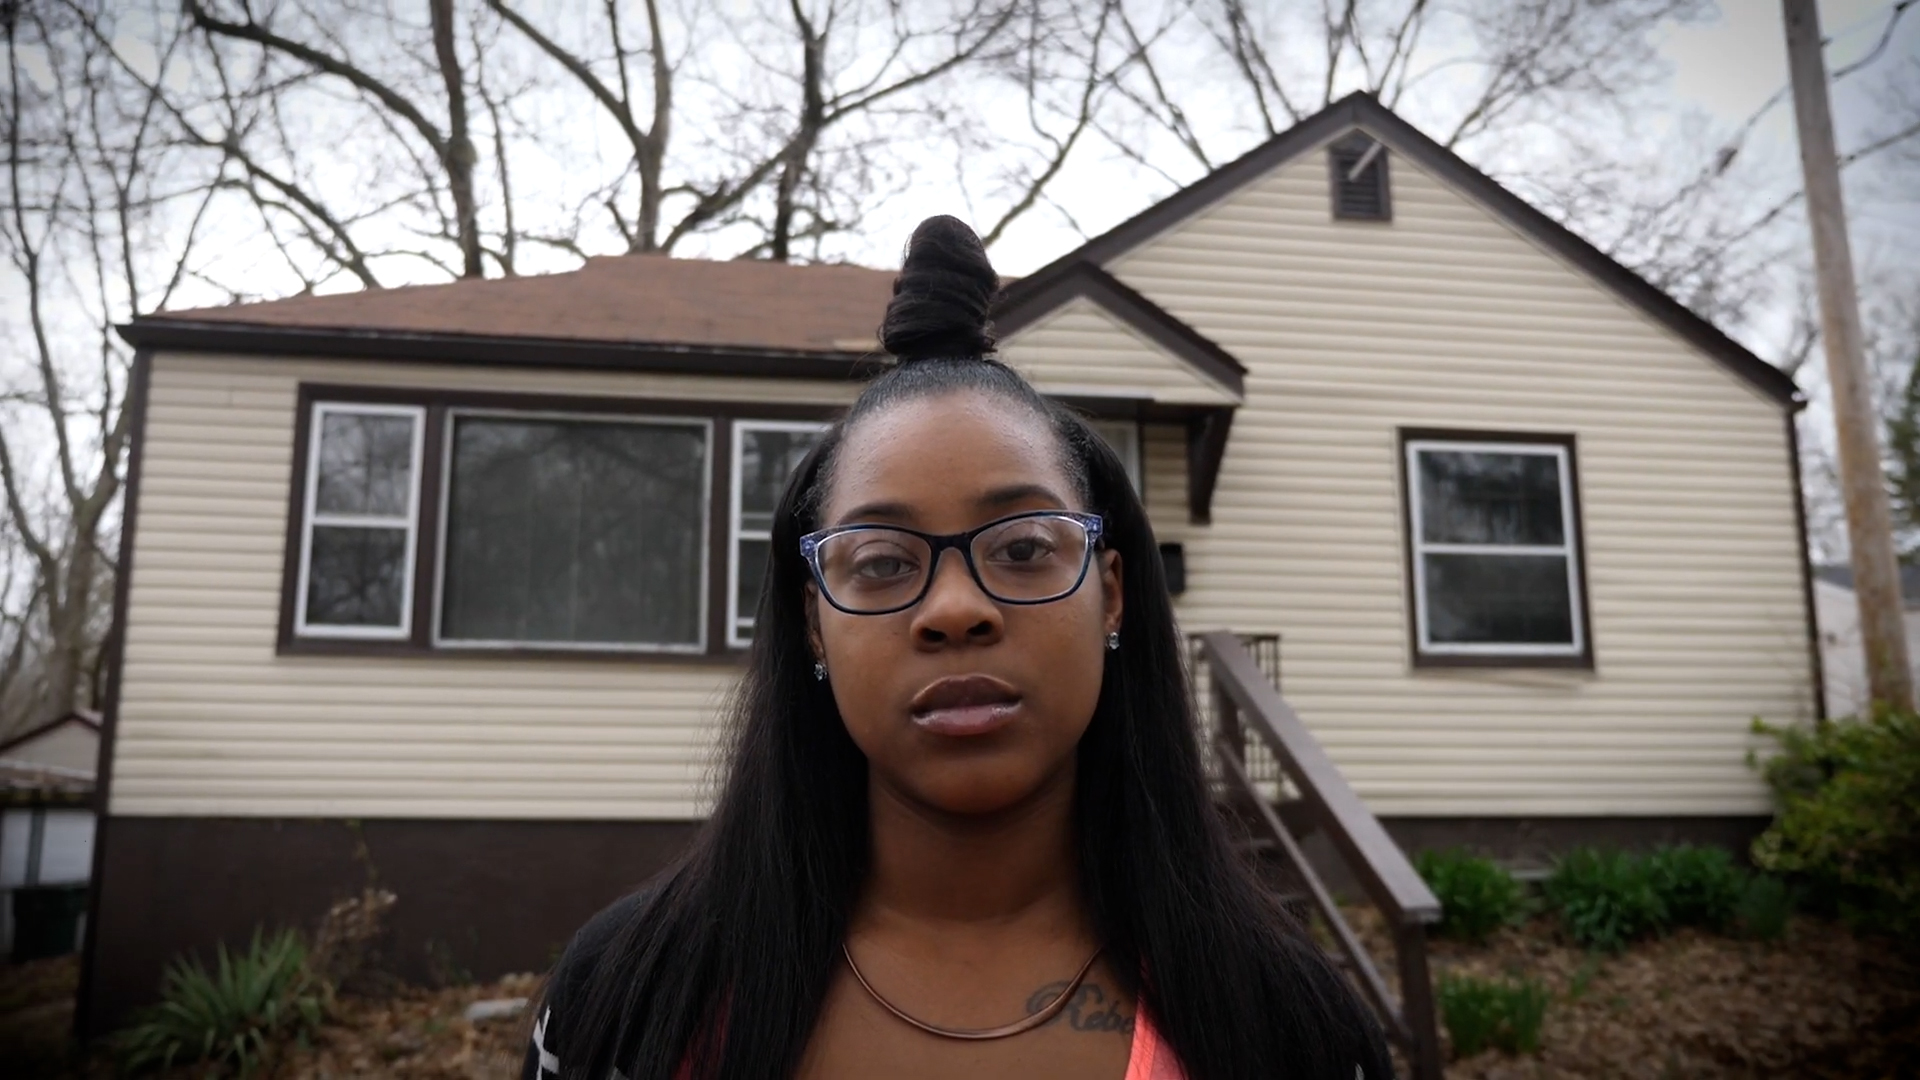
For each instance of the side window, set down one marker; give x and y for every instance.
(362, 522)
(765, 454)
(1495, 555)
(1124, 437)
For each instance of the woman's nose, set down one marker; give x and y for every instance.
(955, 607)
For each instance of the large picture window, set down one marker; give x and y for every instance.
(572, 532)
(1494, 550)
(445, 521)
(765, 454)
(361, 520)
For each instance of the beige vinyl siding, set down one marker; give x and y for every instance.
(1447, 318)
(213, 722)
(1083, 350)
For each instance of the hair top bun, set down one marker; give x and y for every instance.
(941, 298)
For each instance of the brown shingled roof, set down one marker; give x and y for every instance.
(627, 298)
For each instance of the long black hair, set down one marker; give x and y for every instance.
(726, 961)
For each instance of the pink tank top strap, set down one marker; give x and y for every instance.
(1151, 1058)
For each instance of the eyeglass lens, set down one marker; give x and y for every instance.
(1026, 560)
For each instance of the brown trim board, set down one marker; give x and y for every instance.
(424, 602)
(1364, 111)
(1584, 660)
(476, 899)
(139, 382)
(270, 342)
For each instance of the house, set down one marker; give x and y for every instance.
(1842, 656)
(397, 601)
(46, 825)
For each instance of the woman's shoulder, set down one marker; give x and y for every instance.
(596, 936)
(568, 983)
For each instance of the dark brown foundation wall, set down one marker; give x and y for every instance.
(476, 899)
(480, 899)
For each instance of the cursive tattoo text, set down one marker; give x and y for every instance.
(1090, 1008)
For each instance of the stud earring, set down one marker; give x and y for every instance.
(819, 671)
(1113, 641)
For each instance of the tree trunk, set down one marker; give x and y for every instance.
(460, 153)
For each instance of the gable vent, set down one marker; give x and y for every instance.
(1360, 179)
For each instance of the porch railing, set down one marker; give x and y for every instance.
(1245, 712)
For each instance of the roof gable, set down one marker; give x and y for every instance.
(1362, 111)
(1133, 347)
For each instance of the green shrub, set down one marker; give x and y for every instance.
(1605, 899)
(1476, 896)
(1502, 1014)
(1698, 886)
(1763, 909)
(232, 1016)
(1846, 825)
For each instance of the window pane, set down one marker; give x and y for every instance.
(1490, 498)
(356, 576)
(753, 572)
(1124, 437)
(767, 459)
(1498, 599)
(575, 532)
(366, 464)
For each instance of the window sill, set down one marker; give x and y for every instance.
(1450, 661)
(409, 650)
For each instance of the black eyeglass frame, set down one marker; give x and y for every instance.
(1094, 524)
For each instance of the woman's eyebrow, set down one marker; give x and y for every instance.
(886, 511)
(997, 499)
(1002, 497)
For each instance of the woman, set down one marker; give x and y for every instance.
(964, 832)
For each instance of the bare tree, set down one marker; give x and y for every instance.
(89, 179)
(648, 140)
(322, 46)
(1464, 71)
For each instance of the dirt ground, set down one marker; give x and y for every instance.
(1822, 1005)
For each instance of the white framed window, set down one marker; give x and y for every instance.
(361, 521)
(765, 454)
(1495, 551)
(1124, 437)
(573, 531)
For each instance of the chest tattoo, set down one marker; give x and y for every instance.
(1090, 1009)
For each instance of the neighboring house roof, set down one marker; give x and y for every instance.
(1842, 576)
(25, 783)
(83, 717)
(644, 312)
(1365, 112)
(32, 782)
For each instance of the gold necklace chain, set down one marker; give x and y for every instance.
(1051, 1010)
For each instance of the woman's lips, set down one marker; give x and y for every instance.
(962, 705)
(967, 719)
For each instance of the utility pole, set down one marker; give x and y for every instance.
(1876, 570)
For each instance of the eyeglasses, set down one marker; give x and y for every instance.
(1031, 558)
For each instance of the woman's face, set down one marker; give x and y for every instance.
(962, 704)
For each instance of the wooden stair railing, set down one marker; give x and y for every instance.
(1243, 700)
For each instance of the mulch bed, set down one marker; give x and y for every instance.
(1820, 1004)
(408, 1032)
